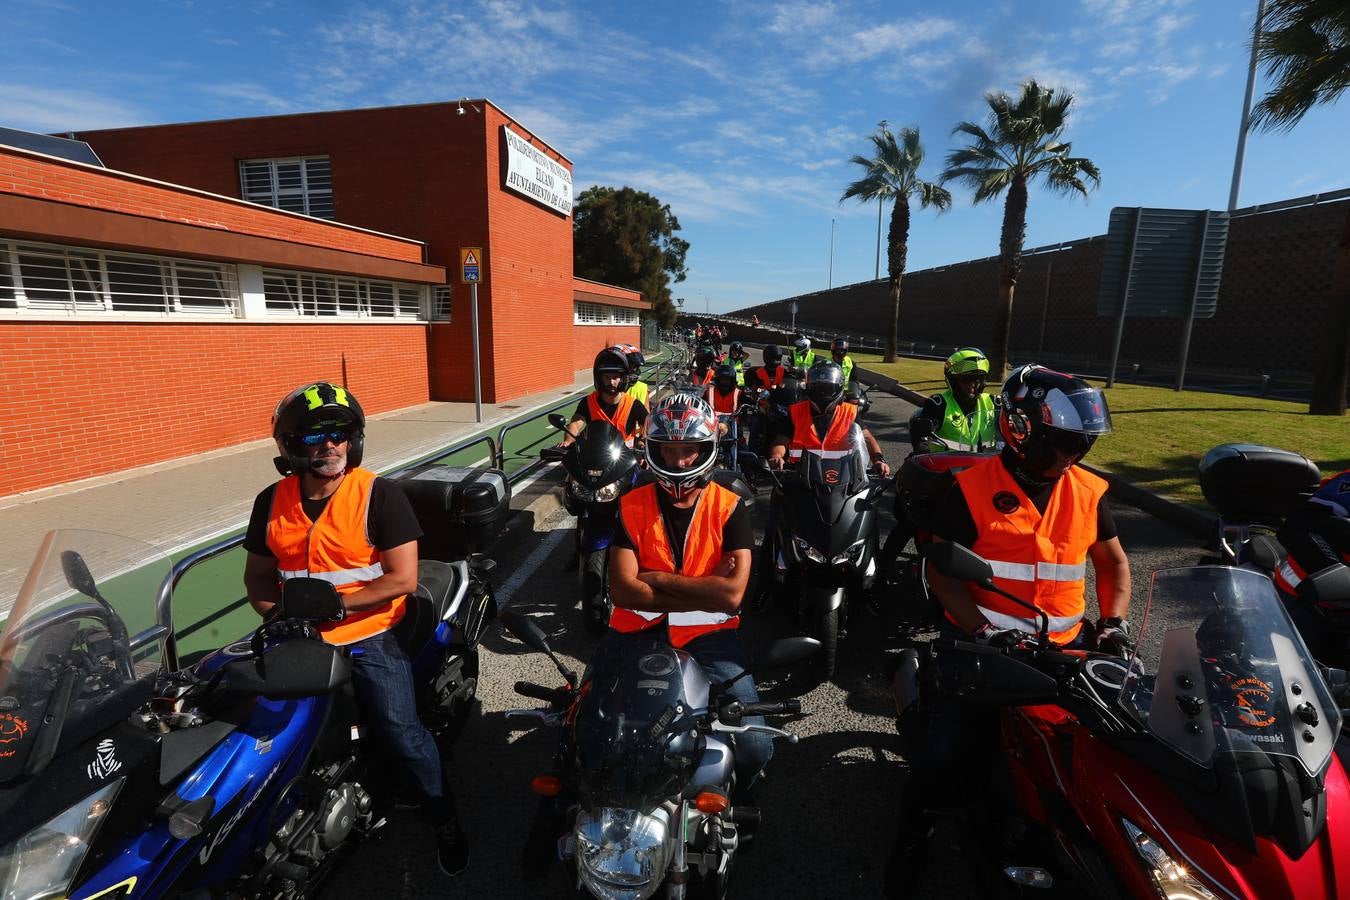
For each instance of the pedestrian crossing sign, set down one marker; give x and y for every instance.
(470, 264)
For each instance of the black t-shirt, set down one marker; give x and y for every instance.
(390, 521)
(737, 534)
(952, 520)
(636, 416)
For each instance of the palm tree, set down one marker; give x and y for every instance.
(1021, 144)
(1304, 46)
(892, 173)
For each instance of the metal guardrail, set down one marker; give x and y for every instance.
(496, 456)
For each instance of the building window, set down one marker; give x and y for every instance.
(440, 303)
(49, 277)
(302, 184)
(601, 314)
(304, 294)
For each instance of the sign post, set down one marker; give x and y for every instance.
(792, 307)
(470, 273)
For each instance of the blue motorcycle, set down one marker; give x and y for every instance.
(244, 775)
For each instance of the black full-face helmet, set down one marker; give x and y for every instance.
(724, 377)
(825, 385)
(773, 356)
(610, 362)
(312, 408)
(681, 419)
(705, 355)
(1044, 411)
(839, 349)
(737, 351)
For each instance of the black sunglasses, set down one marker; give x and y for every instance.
(1070, 443)
(315, 438)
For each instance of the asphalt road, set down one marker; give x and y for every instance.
(828, 801)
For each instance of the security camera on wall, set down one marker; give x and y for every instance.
(460, 111)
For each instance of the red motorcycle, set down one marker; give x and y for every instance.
(1204, 766)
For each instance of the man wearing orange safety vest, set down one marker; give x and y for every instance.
(681, 558)
(722, 394)
(1037, 518)
(822, 424)
(329, 518)
(609, 401)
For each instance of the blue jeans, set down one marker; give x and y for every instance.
(383, 679)
(722, 657)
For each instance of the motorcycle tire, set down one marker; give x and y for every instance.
(595, 603)
(824, 627)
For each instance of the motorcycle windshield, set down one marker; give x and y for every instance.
(624, 757)
(80, 647)
(833, 479)
(601, 454)
(1219, 669)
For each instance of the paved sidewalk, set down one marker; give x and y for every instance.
(184, 502)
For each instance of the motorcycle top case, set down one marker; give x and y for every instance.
(1251, 483)
(461, 509)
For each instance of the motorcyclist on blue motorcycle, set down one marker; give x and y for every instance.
(329, 518)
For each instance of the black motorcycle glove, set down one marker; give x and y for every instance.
(1001, 638)
(1112, 635)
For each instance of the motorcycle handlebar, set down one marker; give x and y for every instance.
(539, 692)
(772, 708)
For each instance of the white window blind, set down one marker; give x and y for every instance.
(440, 303)
(600, 314)
(300, 184)
(305, 294)
(50, 277)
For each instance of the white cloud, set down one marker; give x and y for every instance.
(252, 94)
(802, 18)
(33, 108)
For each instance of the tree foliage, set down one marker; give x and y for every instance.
(1305, 49)
(629, 238)
(1019, 144)
(892, 173)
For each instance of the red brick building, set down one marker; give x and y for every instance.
(438, 173)
(151, 319)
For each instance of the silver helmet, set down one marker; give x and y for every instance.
(681, 419)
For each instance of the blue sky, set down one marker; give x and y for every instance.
(740, 115)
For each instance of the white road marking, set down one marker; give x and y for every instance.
(532, 562)
(526, 482)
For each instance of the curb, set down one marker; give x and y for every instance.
(1194, 521)
(542, 499)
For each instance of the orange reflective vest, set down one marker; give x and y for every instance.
(620, 418)
(767, 381)
(723, 403)
(640, 512)
(705, 378)
(837, 442)
(336, 548)
(1039, 557)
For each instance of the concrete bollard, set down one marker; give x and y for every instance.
(1134, 372)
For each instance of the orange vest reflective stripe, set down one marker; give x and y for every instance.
(1039, 557)
(620, 418)
(336, 548)
(640, 512)
(767, 381)
(723, 403)
(837, 441)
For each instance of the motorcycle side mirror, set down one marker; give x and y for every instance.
(1331, 585)
(311, 599)
(78, 575)
(523, 628)
(557, 421)
(552, 454)
(786, 652)
(957, 561)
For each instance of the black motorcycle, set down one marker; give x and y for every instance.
(600, 469)
(645, 766)
(821, 548)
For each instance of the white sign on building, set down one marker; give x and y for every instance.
(530, 171)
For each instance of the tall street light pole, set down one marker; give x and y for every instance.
(881, 204)
(830, 280)
(1246, 111)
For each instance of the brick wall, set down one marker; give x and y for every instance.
(68, 182)
(1274, 291)
(588, 340)
(91, 398)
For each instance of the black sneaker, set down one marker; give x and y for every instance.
(452, 849)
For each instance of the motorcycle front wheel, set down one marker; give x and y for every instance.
(595, 604)
(824, 627)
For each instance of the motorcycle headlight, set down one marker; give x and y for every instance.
(805, 549)
(621, 853)
(1170, 878)
(853, 555)
(609, 492)
(41, 864)
(581, 492)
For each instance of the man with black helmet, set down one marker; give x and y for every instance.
(610, 401)
(1037, 517)
(771, 374)
(705, 362)
(330, 518)
(839, 353)
(736, 357)
(823, 412)
(636, 361)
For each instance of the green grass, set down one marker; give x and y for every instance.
(1160, 435)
